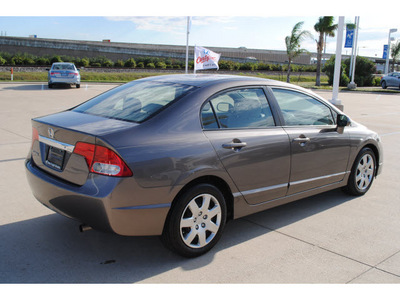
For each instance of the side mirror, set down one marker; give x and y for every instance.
(342, 121)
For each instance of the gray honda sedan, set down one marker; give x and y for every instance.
(180, 155)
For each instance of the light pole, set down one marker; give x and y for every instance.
(388, 51)
(188, 21)
(338, 61)
(352, 84)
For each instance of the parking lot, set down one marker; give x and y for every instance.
(328, 238)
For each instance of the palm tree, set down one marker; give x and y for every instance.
(293, 44)
(324, 27)
(395, 52)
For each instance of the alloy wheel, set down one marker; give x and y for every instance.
(365, 172)
(200, 221)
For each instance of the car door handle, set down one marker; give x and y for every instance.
(234, 145)
(301, 140)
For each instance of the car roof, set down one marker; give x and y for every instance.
(63, 63)
(201, 80)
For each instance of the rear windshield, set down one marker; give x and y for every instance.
(136, 101)
(63, 67)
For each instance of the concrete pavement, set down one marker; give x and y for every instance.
(329, 238)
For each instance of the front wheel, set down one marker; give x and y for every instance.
(196, 221)
(384, 85)
(362, 173)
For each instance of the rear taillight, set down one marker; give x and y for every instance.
(102, 160)
(35, 136)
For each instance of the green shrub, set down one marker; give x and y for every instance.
(329, 69)
(85, 62)
(119, 63)
(364, 73)
(140, 64)
(247, 66)
(108, 63)
(95, 64)
(18, 59)
(42, 61)
(276, 67)
(263, 67)
(377, 81)
(226, 65)
(150, 65)
(55, 58)
(2, 61)
(161, 65)
(130, 63)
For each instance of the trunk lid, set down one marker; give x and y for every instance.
(57, 135)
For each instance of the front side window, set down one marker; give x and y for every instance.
(300, 109)
(242, 108)
(135, 101)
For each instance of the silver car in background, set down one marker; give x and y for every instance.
(391, 80)
(64, 73)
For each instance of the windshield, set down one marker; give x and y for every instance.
(135, 101)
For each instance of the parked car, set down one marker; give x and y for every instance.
(391, 80)
(64, 73)
(179, 155)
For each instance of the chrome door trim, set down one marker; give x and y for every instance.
(269, 188)
(260, 190)
(318, 178)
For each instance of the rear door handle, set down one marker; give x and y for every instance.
(301, 140)
(234, 145)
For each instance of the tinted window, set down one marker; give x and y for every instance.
(300, 109)
(243, 108)
(208, 118)
(63, 66)
(135, 101)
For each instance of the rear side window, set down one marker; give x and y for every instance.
(242, 108)
(135, 101)
(300, 109)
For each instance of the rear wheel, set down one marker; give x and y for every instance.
(362, 173)
(196, 221)
(384, 85)
(78, 86)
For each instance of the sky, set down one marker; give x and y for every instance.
(251, 24)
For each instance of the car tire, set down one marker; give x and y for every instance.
(50, 85)
(384, 85)
(78, 86)
(362, 173)
(196, 221)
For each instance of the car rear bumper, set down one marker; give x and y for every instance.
(96, 203)
(53, 80)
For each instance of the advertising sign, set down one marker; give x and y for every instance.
(385, 50)
(349, 38)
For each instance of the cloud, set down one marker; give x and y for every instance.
(169, 24)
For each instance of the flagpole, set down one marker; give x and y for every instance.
(194, 55)
(187, 45)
